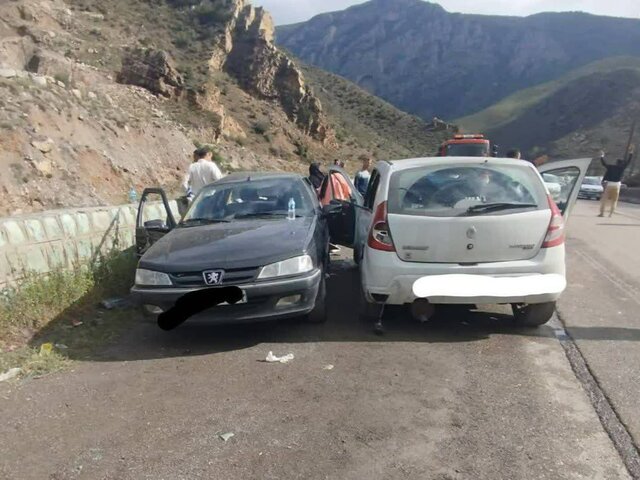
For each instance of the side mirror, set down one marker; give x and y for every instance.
(158, 225)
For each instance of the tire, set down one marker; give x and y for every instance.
(534, 315)
(319, 312)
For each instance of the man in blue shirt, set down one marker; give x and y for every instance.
(361, 180)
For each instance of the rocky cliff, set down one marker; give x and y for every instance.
(428, 61)
(98, 96)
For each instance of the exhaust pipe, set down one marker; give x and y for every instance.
(422, 310)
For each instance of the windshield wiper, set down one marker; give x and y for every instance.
(499, 206)
(194, 222)
(262, 214)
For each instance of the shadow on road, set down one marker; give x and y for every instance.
(144, 340)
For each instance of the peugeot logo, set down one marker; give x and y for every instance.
(471, 233)
(213, 277)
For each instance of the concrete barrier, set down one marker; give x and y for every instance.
(42, 242)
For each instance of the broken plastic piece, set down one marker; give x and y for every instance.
(328, 367)
(45, 349)
(271, 358)
(9, 374)
(226, 436)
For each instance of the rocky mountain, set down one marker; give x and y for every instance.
(427, 61)
(97, 96)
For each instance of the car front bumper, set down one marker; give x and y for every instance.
(264, 300)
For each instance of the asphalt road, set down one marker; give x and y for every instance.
(466, 396)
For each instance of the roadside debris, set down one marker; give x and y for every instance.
(76, 323)
(114, 303)
(226, 436)
(328, 367)
(46, 349)
(271, 358)
(9, 374)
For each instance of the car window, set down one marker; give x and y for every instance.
(591, 181)
(445, 191)
(570, 176)
(254, 198)
(372, 190)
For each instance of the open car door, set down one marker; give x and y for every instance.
(155, 219)
(341, 203)
(569, 175)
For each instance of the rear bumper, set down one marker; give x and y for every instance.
(484, 289)
(387, 278)
(261, 300)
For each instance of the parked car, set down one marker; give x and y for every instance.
(460, 231)
(591, 188)
(238, 233)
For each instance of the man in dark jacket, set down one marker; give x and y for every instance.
(613, 182)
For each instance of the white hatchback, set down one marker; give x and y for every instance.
(448, 230)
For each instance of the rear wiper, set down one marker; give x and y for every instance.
(496, 207)
(192, 222)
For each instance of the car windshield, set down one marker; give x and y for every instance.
(591, 181)
(444, 191)
(251, 199)
(467, 150)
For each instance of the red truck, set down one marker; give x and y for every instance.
(466, 146)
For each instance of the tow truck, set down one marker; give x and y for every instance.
(475, 145)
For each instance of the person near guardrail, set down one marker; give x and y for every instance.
(202, 172)
(613, 181)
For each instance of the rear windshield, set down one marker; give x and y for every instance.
(467, 150)
(445, 191)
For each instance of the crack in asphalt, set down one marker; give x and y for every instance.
(609, 418)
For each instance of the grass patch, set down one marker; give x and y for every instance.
(62, 308)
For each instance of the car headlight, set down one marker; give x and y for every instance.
(150, 278)
(292, 266)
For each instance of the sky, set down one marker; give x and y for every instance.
(291, 11)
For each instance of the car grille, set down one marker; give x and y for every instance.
(236, 276)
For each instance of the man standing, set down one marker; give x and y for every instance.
(202, 172)
(613, 181)
(361, 181)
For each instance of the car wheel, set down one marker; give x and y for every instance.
(319, 312)
(533, 315)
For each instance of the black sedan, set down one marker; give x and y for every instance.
(250, 247)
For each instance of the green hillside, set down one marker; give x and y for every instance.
(515, 105)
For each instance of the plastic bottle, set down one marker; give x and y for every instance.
(133, 195)
(291, 213)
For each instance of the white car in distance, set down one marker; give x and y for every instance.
(459, 230)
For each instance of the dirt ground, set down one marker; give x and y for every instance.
(466, 396)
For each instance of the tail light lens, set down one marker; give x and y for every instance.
(379, 235)
(555, 232)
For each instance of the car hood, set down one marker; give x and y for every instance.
(239, 244)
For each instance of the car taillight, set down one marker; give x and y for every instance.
(379, 236)
(555, 232)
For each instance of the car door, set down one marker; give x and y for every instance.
(341, 211)
(155, 219)
(571, 173)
